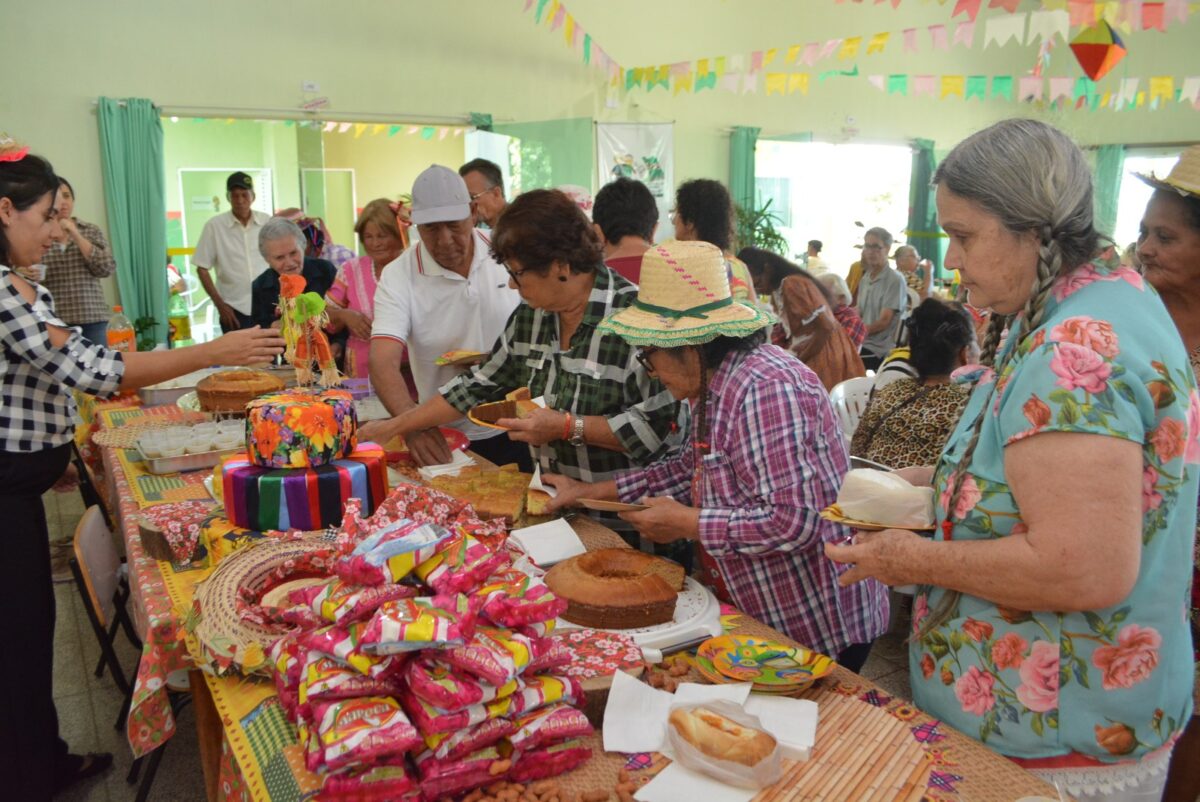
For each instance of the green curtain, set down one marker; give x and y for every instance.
(741, 165)
(131, 156)
(1110, 164)
(923, 232)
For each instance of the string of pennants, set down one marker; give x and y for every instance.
(427, 132)
(1128, 15)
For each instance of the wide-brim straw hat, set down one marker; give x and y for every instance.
(684, 299)
(1184, 177)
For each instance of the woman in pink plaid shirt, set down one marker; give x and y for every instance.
(764, 455)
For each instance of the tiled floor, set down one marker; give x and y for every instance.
(88, 706)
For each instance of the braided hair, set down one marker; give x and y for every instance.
(1034, 179)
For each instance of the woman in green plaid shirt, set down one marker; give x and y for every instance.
(603, 411)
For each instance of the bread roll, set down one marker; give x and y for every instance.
(719, 737)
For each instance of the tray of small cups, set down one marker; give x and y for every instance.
(191, 448)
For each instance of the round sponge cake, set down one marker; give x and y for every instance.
(617, 588)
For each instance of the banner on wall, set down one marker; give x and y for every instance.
(645, 152)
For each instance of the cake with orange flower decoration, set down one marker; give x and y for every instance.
(301, 428)
(302, 463)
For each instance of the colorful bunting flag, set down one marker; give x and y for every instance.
(976, 87)
(1060, 88)
(924, 85)
(798, 82)
(850, 47)
(952, 85)
(344, 127)
(1002, 86)
(1008, 5)
(1046, 25)
(777, 83)
(1001, 30)
(1153, 18)
(937, 33)
(827, 50)
(910, 40)
(1162, 87)
(812, 51)
(427, 132)
(792, 54)
(897, 85)
(964, 34)
(1190, 91)
(683, 83)
(1031, 87)
(968, 7)
(876, 81)
(1082, 13)
(878, 43)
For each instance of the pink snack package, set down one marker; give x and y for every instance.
(344, 644)
(548, 653)
(385, 781)
(493, 655)
(287, 658)
(449, 688)
(545, 689)
(549, 725)
(340, 602)
(432, 720)
(442, 778)
(513, 599)
(326, 680)
(550, 762)
(407, 625)
(390, 553)
(453, 745)
(461, 564)
(359, 731)
(420, 504)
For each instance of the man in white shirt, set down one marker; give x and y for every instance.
(444, 293)
(229, 243)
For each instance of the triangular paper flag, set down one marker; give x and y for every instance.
(377, 129)
(1154, 18)
(1175, 11)
(442, 132)
(330, 126)
(828, 48)
(1129, 91)
(798, 81)
(569, 29)
(897, 85)
(812, 52)
(850, 47)
(792, 53)
(393, 130)
(756, 61)
(968, 7)
(1060, 88)
(412, 129)
(937, 33)
(878, 43)
(876, 81)
(708, 81)
(1002, 86)
(1008, 5)
(1000, 30)
(769, 56)
(1047, 25)
(344, 127)
(1190, 91)
(427, 132)
(1031, 87)
(976, 87)
(1083, 13)
(964, 34)
(952, 85)
(910, 40)
(924, 85)
(749, 83)
(719, 61)
(683, 83)
(1162, 87)
(559, 17)
(777, 83)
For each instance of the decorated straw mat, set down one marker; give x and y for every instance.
(228, 639)
(126, 436)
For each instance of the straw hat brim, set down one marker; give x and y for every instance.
(640, 327)
(1168, 185)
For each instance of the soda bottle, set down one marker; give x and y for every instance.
(179, 323)
(121, 336)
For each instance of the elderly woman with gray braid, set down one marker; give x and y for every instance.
(1050, 619)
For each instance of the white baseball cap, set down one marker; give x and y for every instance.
(440, 195)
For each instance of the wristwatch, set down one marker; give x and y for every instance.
(576, 438)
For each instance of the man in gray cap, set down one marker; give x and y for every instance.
(229, 243)
(444, 293)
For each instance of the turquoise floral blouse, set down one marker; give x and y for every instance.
(1110, 684)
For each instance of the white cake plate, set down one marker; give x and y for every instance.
(697, 615)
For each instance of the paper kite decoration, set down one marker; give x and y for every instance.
(1098, 49)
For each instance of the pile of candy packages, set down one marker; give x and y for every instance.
(422, 667)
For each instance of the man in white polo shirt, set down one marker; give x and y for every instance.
(229, 243)
(444, 293)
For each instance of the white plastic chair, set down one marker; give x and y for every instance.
(850, 400)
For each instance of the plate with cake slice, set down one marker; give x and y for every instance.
(601, 505)
(461, 358)
(516, 404)
(646, 597)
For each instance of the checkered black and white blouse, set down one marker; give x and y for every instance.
(37, 410)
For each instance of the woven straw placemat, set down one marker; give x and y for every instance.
(127, 436)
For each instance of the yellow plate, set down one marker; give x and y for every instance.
(461, 359)
(834, 513)
(748, 659)
(486, 414)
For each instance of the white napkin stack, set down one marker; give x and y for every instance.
(458, 461)
(548, 543)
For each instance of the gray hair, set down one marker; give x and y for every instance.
(904, 248)
(837, 287)
(278, 228)
(1033, 178)
(882, 233)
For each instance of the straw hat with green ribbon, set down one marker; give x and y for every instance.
(1184, 177)
(684, 299)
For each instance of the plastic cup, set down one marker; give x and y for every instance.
(152, 445)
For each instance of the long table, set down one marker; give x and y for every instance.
(249, 750)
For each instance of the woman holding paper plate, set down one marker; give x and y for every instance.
(1050, 621)
(603, 413)
(764, 456)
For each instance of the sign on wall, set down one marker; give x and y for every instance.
(642, 152)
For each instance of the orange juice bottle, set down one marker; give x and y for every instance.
(121, 336)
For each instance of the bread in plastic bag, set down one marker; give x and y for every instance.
(705, 735)
(884, 498)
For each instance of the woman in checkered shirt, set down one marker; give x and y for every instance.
(43, 361)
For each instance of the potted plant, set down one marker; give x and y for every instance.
(757, 228)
